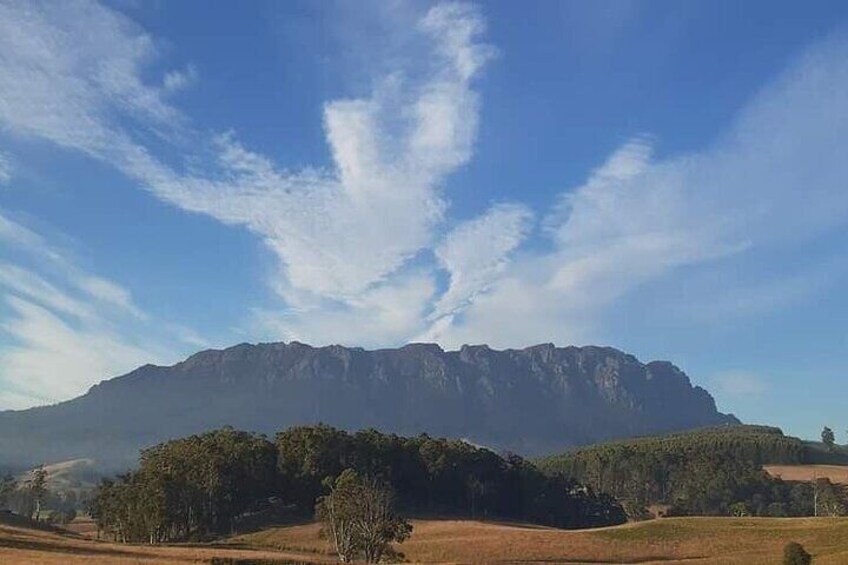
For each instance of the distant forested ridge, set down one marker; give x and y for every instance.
(202, 485)
(713, 471)
(532, 401)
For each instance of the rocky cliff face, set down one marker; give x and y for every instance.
(532, 401)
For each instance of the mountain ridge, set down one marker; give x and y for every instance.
(534, 400)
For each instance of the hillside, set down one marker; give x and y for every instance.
(537, 400)
(66, 476)
(761, 445)
(713, 471)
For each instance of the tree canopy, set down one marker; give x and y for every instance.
(716, 471)
(200, 486)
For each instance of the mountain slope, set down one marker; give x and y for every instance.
(532, 401)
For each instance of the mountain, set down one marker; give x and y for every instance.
(532, 401)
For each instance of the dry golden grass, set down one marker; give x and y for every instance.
(84, 526)
(836, 473)
(667, 540)
(23, 546)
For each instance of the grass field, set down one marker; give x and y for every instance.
(25, 546)
(836, 473)
(667, 540)
(690, 540)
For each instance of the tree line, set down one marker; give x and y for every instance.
(715, 471)
(202, 485)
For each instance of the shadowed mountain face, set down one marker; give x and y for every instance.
(532, 401)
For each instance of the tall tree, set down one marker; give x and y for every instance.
(360, 520)
(37, 487)
(337, 511)
(828, 439)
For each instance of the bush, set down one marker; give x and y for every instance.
(795, 554)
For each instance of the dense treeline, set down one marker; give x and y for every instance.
(187, 488)
(439, 476)
(201, 485)
(715, 471)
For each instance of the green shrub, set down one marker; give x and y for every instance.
(795, 554)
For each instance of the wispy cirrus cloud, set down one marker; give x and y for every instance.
(344, 235)
(367, 251)
(340, 232)
(774, 177)
(5, 168)
(71, 74)
(66, 329)
(476, 252)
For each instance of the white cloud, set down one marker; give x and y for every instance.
(15, 234)
(64, 329)
(101, 290)
(5, 168)
(477, 251)
(343, 235)
(362, 243)
(108, 293)
(337, 232)
(776, 176)
(174, 81)
(29, 285)
(52, 359)
(70, 70)
(340, 232)
(737, 383)
(374, 318)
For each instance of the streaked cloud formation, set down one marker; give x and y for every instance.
(5, 168)
(368, 250)
(776, 176)
(70, 328)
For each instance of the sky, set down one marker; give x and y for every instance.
(667, 177)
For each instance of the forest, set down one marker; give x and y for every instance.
(204, 485)
(714, 471)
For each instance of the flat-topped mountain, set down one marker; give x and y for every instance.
(533, 401)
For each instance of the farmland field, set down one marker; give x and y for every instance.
(25, 546)
(690, 540)
(695, 540)
(836, 473)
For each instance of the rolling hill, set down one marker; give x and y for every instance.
(713, 471)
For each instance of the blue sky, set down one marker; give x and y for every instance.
(665, 177)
